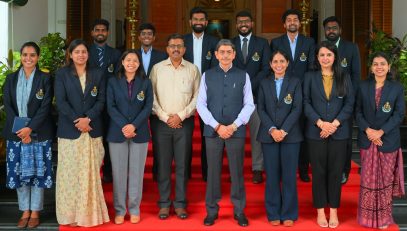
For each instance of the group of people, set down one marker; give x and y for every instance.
(299, 101)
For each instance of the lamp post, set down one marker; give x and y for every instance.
(132, 21)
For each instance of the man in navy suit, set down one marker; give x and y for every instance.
(349, 58)
(149, 57)
(107, 58)
(301, 51)
(200, 48)
(253, 56)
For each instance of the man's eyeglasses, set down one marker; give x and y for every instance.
(178, 46)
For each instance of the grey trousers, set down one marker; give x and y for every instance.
(257, 154)
(128, 161)
(235, 154)
(173, 145)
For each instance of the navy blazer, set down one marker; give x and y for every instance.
(258, 58)
(283, 112)
(72, 103)
(156, 57)
(111, 58)
(304, 56)
(208, 59)
(349, 57)
(123, 111)
(317, 106)
(388, 118)
(38, 106)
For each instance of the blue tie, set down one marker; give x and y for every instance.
(100, 56)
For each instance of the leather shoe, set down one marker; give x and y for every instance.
(118, 220)
(22, 223)
(181, 213)
(241, 219)
(107, 179)
(304, 177)
(288, 223)
(275, 222)
(164, 213)
(344, 178)
(134, 219)
(210, 219)
(257, 177)
(33, 222)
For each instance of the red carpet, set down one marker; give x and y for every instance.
(255, 209)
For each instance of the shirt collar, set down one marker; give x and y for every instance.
(337, 42)
(198, 38)
(295, 38)
(231, 65)
(242, 37)
(168, 62)
(148, 51)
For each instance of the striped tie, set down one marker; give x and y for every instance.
(100, 56)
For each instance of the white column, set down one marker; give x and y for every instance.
(4, 30)
(108, 12)
(399, 18)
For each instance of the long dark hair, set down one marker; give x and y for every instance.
(390, 75)
(140, 70)
(69, 62)
(338, 75)
(36, 48)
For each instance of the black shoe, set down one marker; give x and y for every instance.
(107, 178)
(205, 178)
(345, 178)
(305, 177)
(164, 213)
(181, 213)
(241, 220)
(154, 177)
(257, 177)
(210, 219)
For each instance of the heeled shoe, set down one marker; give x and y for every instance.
(22, 222)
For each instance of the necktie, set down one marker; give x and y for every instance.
(100, 56)
(244, 49)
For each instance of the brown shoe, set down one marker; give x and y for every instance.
(275, 222)
(118, 220)
(33, 222)
(22, 223)
(164, 213)
(181, 213)
(257, 177)
(134, 219)
(288, 223)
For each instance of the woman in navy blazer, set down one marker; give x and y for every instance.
(328, 107)
(80, 98)
(28, 93)
(129, 104)
(380, 109)
(280, 107)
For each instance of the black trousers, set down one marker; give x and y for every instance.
(173, 145)
(347, 166)
(327, 161)
(153, 127)
(303, 158)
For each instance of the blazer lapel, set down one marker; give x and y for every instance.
(320, 85)
(286, 45)
(273, 89)
(283, 90)
(250, 49)
(88, 85)
(372, 94)
(123, 87)
(385, 93)
(300, 40)
(34, 86)
(204, 49)
(136, 88)
(239, 49)
(14, 90)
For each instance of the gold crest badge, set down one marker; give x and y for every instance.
(256, 57)
(140, 96)
(386, 107)
(94, 91)
(303, 57)
(344, 62)
(39, 94)
(288, 99)
(208, 55)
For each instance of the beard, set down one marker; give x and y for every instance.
(244, 34)
(332, 37)
(293, 29)
(198, 29)
(100, 39)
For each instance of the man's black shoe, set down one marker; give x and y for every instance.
(345, 178)
(107, 178)
(210, 219)
(241, 220)
(305, 177)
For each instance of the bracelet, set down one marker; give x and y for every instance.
(217, 128)
(234, 126)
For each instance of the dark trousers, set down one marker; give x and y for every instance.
(327, 161)
(173, 144)
(304, 156)
(153, 127)
(347, 166)
(204, 164)
(235, 154)
(280, 164)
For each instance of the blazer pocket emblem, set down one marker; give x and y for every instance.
(208, 55)
(94, 91)
(303, 57)
(110, 68)
(344, 63)
(39, 94)
(256, 57)
(288, 99)
(140, 96)
(386, 107)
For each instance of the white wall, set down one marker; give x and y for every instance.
(108, 12)
(28, 23)
(325, 9)
(57, 17)
(3, 30)
(399, 18)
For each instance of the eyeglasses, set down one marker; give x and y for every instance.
(149, 33)
(333, 28)
(178, 46)
(240, 22)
